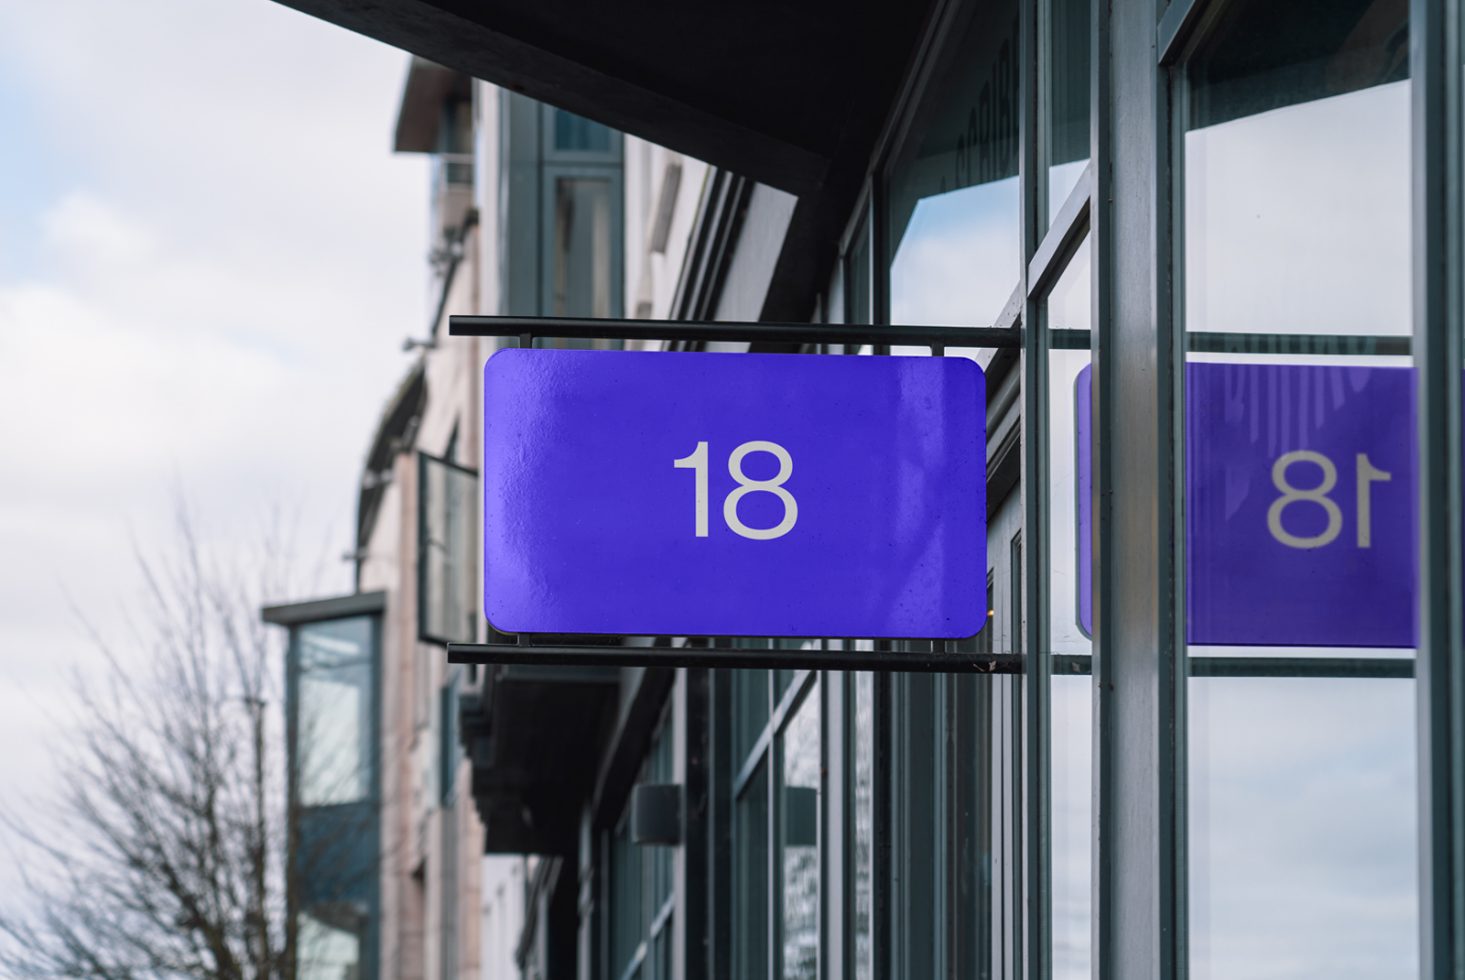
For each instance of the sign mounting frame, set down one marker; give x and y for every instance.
(880, 654)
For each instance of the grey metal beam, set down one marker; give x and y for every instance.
(1435, 58)
(1031, 923)
(1139, 921)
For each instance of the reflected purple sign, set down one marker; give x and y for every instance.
(1300, 503)
(734, 494)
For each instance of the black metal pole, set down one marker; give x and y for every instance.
(569, 655)
(587, 328)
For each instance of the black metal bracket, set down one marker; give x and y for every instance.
(940, 659)
(844, 658)
(526, 328)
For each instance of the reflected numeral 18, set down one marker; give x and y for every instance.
(697, 462)
(1365, 474)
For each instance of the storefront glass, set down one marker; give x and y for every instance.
(953, 216)
(1299, 503)
(1068, 311)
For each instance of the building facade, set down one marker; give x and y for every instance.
(1213, 725)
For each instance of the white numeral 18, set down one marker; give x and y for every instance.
(1365, 473)
(697, 462)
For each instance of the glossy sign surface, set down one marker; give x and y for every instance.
(734, 494)
(1300, 482)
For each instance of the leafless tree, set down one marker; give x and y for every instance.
(164, 851)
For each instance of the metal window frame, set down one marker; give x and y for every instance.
(656, 919)
(1140, 656)
(425, 459)
(1438, 204)
(370, 606)
(550, 174)
(1139, 865)
(550, 154)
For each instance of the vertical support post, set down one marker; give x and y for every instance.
(690, 765)
(1435, 67)
(1033, 954)
(1139, 893)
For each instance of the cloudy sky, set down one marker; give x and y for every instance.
(209, 258)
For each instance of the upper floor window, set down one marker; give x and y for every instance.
(447, 551)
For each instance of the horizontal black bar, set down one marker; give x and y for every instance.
(1293, 667)
(1301, 344)
(1300, 667)
(581, 656)
(586, 328)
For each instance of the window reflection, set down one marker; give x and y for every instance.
(1302, 828)
(862, 806)
(750, 909)
(954, 202)
(330, 940)
(1299, 533)
(577, 134)
(1067, 68)
(1068, 309)
(799, 846)
(583, 249)
(334, 711)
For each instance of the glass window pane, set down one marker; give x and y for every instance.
(750, 900)
(1300, 537)
(750, 711)
(1297, 195)
(330, 940)
(334, 711)
(1068, 308)
(448, 552)
(862, 830)
(1302, 827)
(799, 840)
(583, 236)
(1070, 31)
(625, 910)
(578, 134)
(954, 203)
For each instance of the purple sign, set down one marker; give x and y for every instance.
(734, 494)
(1299, 505)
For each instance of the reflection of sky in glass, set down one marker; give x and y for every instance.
(863, 801)
(334, 692)
(1071, 701)
(1061, 181)
(801, 858)
(1302, 829)
(1297, 219)
(1301, 795)
(1069, 307)
(959, 259)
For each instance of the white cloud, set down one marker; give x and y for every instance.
(213, 302)
(87, 232)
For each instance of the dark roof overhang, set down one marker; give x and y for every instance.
(533, 736)
(790, 95)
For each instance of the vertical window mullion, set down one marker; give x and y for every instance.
(1031, 957)
(1439, 351)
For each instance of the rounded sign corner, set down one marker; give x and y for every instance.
(497, 623)
(962, 629)
(967, 364)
